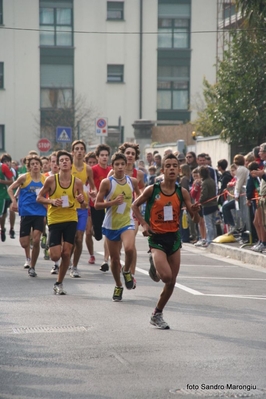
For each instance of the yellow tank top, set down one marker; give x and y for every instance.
(60, 214)
(82, 175)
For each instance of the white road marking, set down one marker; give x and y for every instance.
(198, 293)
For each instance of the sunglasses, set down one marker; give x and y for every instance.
(189, 156)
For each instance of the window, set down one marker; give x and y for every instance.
(174, 26)
(1, 12)
(1, 75)
(173, 33)
(2, 137)
(56, 26)
(57, 84)
(173, 88)
(229, 10)
(115, 10)
(115, 73)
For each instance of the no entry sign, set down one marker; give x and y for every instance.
(44, 145)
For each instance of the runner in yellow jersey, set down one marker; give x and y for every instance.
(116, 195)
(83, 172)
(63, 191)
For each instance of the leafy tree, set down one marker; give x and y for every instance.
(236, 104)
(253, 11)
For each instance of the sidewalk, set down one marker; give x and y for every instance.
(235, 251)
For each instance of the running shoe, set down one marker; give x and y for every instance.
(134, 283)
(91, 261)
(158, 321)
(46, 255)
(254, 247)
(261, 247)
(3, 234)
(12, 233)
(104, 267)
(43, 241)
(58, 289)
(55, 269)
(198, 243)
(27, 264)
(128, 279)
(118, 292)
(31, 272)
(152, 270)
(74, 272)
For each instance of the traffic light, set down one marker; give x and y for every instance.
(194, 135)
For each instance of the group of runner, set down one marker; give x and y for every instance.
(79, 195)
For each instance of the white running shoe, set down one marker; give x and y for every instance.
(58, 289)
(74, 272)
(27, 264)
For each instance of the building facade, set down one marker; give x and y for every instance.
(67, 62)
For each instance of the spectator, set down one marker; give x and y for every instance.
(141, 166)
(262, 203)
(152, 175)
(252, 193)
(158, 164)
(209, 203)
(195, 193)
(150, 160)
(250, 157)
(191, 160)
(225, 178)
(184, 182)
(182, 160)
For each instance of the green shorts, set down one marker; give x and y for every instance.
(168, 242)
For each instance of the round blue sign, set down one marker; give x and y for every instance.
(101, 123)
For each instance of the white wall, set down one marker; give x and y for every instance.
(203, 45)
(117, 44)
(19, 101)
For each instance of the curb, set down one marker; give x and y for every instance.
(244, 254)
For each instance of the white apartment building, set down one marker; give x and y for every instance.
(125, 60)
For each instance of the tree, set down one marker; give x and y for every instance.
(79, 117)
(252, 11)
(236, 104)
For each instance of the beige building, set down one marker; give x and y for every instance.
(125, 60)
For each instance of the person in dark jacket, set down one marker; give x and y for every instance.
(225, 178)
(208, 202)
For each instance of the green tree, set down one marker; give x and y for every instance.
(252, 11)
(236, 104)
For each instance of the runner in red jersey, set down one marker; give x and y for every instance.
(100, 172)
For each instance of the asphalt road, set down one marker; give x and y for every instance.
(84, 346)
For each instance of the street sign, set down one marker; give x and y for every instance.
(44, 145)
(63, 134)
(101, 127)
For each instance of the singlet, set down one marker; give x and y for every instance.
(99, 174)
(5, 174)
(82, 175)
(156, 213)
(27, 204)
(63, 214)
(119, 216)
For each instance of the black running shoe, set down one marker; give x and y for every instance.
(129, 282)
(152, 270)
(3, 234)
(118, 292)
(12, 233)
(104, 267)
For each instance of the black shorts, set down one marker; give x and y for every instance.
(97, 218)
(59, 232)
(168, 242)
(30, 222)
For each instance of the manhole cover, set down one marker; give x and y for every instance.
(49, 329)
(239, 391)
